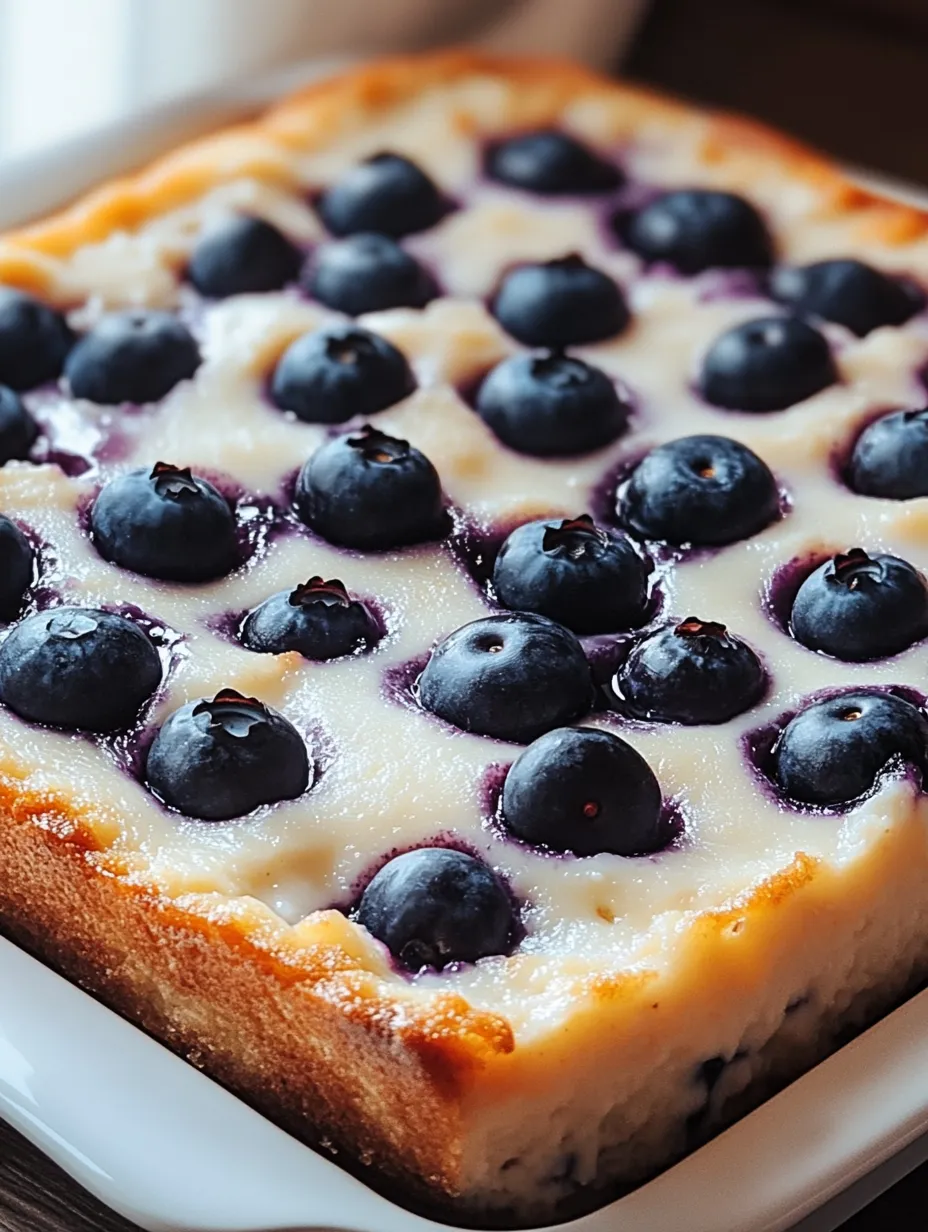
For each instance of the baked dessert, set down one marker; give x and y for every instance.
(463, 673)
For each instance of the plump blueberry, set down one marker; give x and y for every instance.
(78, 668)
(560, 303)
(367, 273)
(370, 491)
(551, 405)
(693, 672)
(590, 579)
(583, 790)
(858, 607)
(34, 341)
(847, 292)
(512, 677)
(696, 229)
(766, 365)
(319, 619)
(435, 906)
(704, 490)
(17, 567)
(890, 457)
(165, 523)
(224, 758)
(835, 750)
(245, 254)
(338, 372)
(134, 356)
(386, 193)
(549, 162)
(18, 430)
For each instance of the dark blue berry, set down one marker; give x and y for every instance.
(134, 356)
(17, 568)
(435, 906)
(338, 372)
(693, 672)
(890, 457)
(698, 229)
(847, 292)
(857, 607)
(590, 579)
(220, 759)
(244, 255)
(78, 668)
(386, 193)
(18, 430)
(512, 677)
(549, 162)
(551, 405)
(704, 490)
(370, 491)
(583, 790)
(367, 273)
(560, 303)
(34, 341)
(766, 365)
(835, 750)
(318, 619)
(165, 523)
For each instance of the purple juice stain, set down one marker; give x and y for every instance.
(780, 591)
(80, 440)
(398, 683)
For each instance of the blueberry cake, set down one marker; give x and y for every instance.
(463, 661)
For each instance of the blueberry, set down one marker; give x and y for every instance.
(17, 567)
(224, 758)
(583, 790)
(18, 430)
(704, 490)
(847, 292)
(134, 356)
(34, 341)
(338, 372)
(698, 229)
(857, 607)
(835, 750)
(367, 273)
(370, 491)
(890, 457)
(386, 193)
(560, 303)
(165, 523)
(512, 677)
(434, 906)
(245, 254)
(766, 365)
(549, 162)
(318, 619)
(693, 672)
(78, 668)
(551, 405)
(572, 571)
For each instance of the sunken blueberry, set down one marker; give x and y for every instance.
(220, 759)
(693, 672)
(319, 619)
(243, 255)
(698, 229)
(549, 162)
(560, 303)
(703, 490)
(18, 430)
(134, 356)
(512, 677)
(34, 341)
(435, 906)
(858, 607)
(165, 523)
(338, 372)
(551, 405)
(367, 273)
(890, 457)
(848, 292)
(583, 790)
(835, 750)
(590, 579)
(370, 491)
(766, 365)
(78, 668)
(17, 566)
(386, 193)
